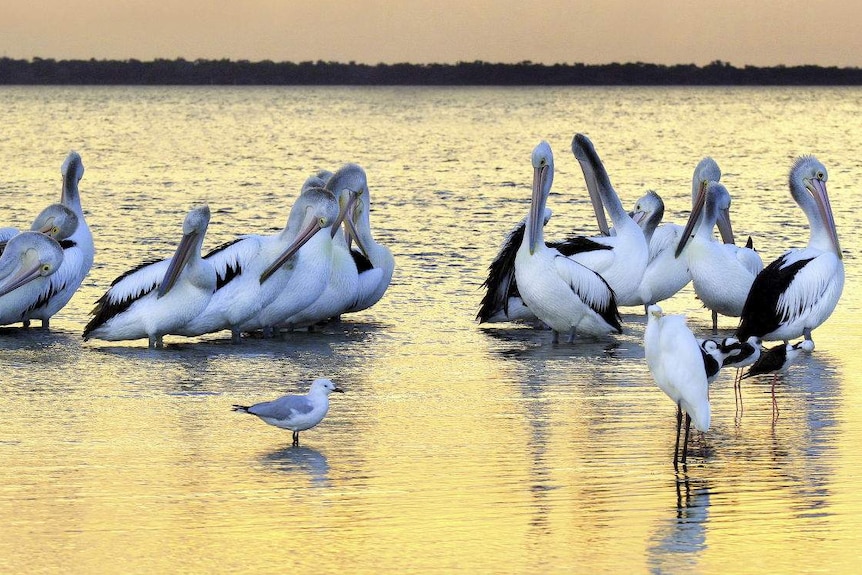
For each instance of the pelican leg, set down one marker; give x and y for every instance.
(45, 324)
(235, 336)
(678, 427)
(296, 439)
(714, 322)
(685, 442)
(556, 338)
(267, 332)
(26, 323)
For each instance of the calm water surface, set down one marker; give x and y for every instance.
(455, 447)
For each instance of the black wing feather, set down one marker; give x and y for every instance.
(758, 314)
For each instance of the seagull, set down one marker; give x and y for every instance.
(26, 266)
(676, 364)
(295, 412)
(158, 297)
(777, 360)
(798, 291)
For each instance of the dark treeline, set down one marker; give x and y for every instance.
(226, 72)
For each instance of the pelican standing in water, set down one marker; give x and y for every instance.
(623, 265)
(247, 280)
(78, 247)
(567, 296)
(341, 291)
(797, 292)
(157, 298)
(27, 263)
(677, 366)
(373, 280)
(302, 276)
(665, 274)
(721, 273)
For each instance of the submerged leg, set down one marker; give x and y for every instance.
(775, 412)
(678, 427)
(235, 336)
(46, 323)
(685, 443)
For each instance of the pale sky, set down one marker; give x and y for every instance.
(742, 32)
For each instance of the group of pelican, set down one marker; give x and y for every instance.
(305, 274)
(43, 267)
(576, 286)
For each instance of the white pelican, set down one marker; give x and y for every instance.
(342, 288)
(27, 263)
(720, 273)
(623, 265)
(373, 280)
(676, 363)
(295, 412)
(502, 300)
(567, 296)
(666, 274)
(246, 281)
(59, 223)
(797, 292)
(158, 297)
(78, 249)
(304, 275)
(777, 360)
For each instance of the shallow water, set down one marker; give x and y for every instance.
(455, 447)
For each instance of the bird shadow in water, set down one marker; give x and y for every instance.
(299, 459)
(678, 540)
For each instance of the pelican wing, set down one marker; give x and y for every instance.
(229, 258)
(577, 245)
(664, 240)
(766, 305)
(591, 288)
(500, 283)
(126, 290)
(808, 287)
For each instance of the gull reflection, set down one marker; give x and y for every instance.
(679, 540)
(300, 460)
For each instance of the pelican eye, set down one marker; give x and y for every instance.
(820, 175)
(55, 230)
(46, 267)
(322, 222)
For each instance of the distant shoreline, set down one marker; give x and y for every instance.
(39, 71)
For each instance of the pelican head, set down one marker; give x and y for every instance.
(56, 221)
(72, 171)
(711, 206)
(28, 256)
(543, 176)
(194, 230)
(316, 209)
(706, 170)
(808, 187)
(648, 212)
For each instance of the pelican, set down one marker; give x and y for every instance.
(342, 288)
(295, 412)
(373, 280)
(502, 301)
(676, 364)
(720, 273)
(158, 297)
(77, 247)
(567, 296)
(303, 276)
(59, 223)
(623, 265)
(797, 292)
(27, 263)
(246, 281)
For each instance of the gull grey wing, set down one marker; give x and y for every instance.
(283, 407)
